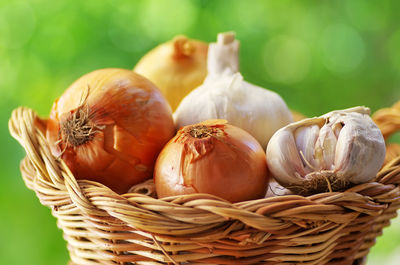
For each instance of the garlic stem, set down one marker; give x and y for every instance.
(225, 38)
(223, 56)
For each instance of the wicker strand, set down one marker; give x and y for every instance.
(388, 119)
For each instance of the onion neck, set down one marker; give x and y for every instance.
(182, 47)
(77, 128)
(202, 131)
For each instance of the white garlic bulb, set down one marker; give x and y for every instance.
(330, 152)
(225, 95)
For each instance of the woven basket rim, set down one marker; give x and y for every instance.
(82, 192)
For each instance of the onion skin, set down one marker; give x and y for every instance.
(230, 164)
(176, 67)
(130, 121)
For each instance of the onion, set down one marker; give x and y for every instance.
(212, 157)
(176, 67)
(109, 126)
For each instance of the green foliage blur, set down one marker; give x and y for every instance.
(319, 55)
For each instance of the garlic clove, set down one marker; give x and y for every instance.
(325, 148)
(306, 138)
(336, 128)
(360, 150)
(284, 159)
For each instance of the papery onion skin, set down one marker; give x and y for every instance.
(230, 164)
(130, 122)
(176, 67)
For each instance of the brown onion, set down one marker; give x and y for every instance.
(212, 157)
(109, 126)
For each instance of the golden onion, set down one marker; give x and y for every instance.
(176, 67)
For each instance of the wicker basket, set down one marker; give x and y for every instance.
(102, 227)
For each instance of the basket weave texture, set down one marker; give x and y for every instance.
(102, 227)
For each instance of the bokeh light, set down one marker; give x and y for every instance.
(286, 59)
(368, 15)
(10, 70)
(342, 48)
(162, 19)
(393, 50)
(17, 23)
(121, 32)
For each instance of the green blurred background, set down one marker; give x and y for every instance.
(319, 55)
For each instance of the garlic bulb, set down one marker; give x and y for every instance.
(225, 95)
(325, 153)
(176, 67)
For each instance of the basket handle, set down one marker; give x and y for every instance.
(388, 120)
(28, 129)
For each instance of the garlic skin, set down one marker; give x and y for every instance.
(324, 153)
(225, 95)
(275, 189)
